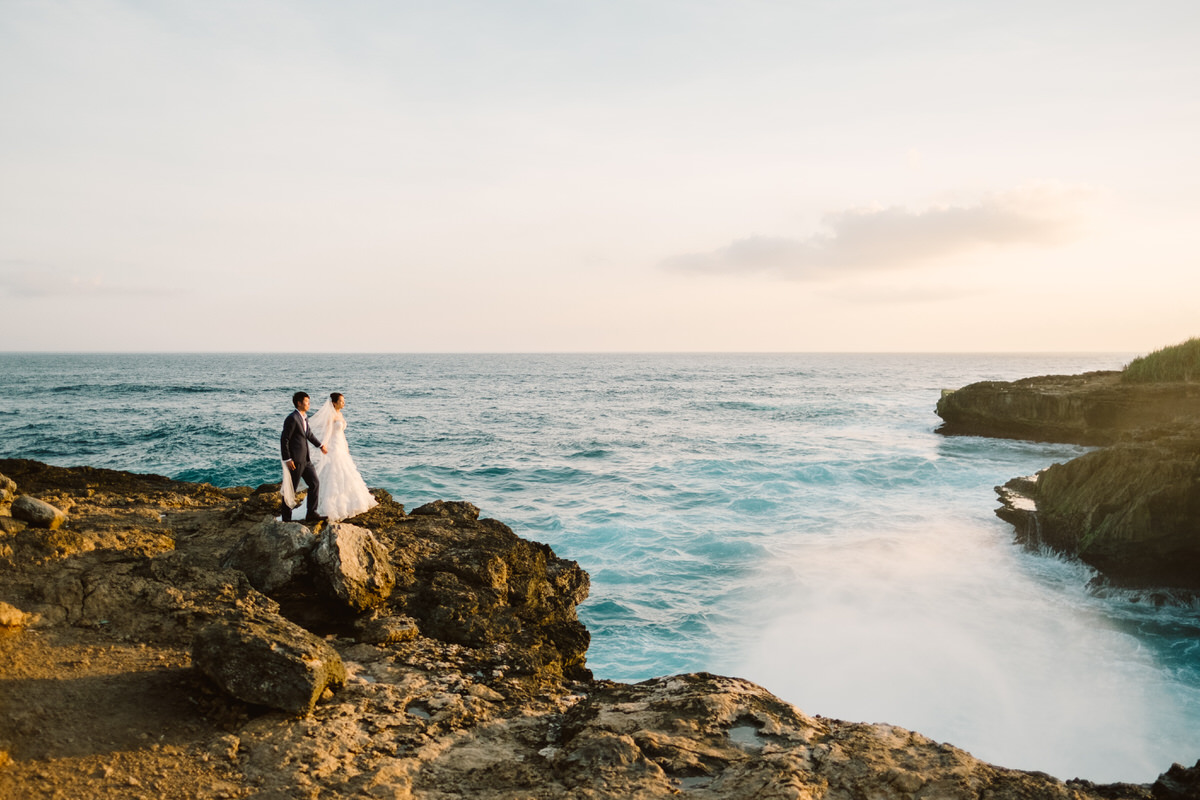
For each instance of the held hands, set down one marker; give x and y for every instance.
(324, 449)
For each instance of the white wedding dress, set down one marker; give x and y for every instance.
(343, 492)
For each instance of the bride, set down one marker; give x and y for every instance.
(343, 492)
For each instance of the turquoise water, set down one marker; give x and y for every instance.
(792, 519)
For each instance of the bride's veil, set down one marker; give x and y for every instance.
(321, 424)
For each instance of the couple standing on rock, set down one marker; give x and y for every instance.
(335, 489)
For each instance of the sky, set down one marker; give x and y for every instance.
(658, 175)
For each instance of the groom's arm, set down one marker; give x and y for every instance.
(285, 444)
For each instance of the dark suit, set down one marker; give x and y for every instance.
(293, 446)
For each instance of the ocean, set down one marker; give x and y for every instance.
(792, 519)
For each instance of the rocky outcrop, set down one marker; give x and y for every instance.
(468, 679)
(268, 661)
(1131, 510)
(386, 630)
(351, 564)
(37, 513)
(139, 541)
(1178, 783)
(1095, 408)
(699, 735)
(8, 490)
(273, 555)
(345, 564)
(483, 586)
(12, 617)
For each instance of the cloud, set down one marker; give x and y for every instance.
(893, 294)
(875, 239)
(33, 280)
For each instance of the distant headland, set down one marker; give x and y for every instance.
(1131, 509)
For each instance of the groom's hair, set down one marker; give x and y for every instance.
(297, 397)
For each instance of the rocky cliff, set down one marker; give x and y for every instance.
(1095, 408)
(165, 639)
(1131, 509)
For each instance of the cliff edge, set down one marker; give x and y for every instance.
(167, 639)
(1095, 408)
(1131, 510)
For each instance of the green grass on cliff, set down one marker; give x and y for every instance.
(1179, 362)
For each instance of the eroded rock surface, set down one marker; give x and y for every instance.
(266, 660)
(353, 566)
(1130, 510)
(8, 490)
(37, 513)
(273, 554)
(468, 680)
(1094, 408)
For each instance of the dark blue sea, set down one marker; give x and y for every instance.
(791, 519)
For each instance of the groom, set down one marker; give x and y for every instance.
(293, 446)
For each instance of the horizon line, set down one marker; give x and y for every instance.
(556, 352)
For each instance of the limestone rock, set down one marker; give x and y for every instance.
(273, 554)
(10, 525)
(12, 617)
(485, 585)
(162, 598)
(265, 501)
(469, 682)
(353, 566)
(8, 489)
(696, 735)
(386, 630)
(268, 661)
(1019, 508)
(451, 509)
(1132, 511)
(37, 513)
(1094, 408)
(35, 477)
(1178, 783)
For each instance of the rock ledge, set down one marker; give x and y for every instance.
(1130, 510)
(464, 676)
